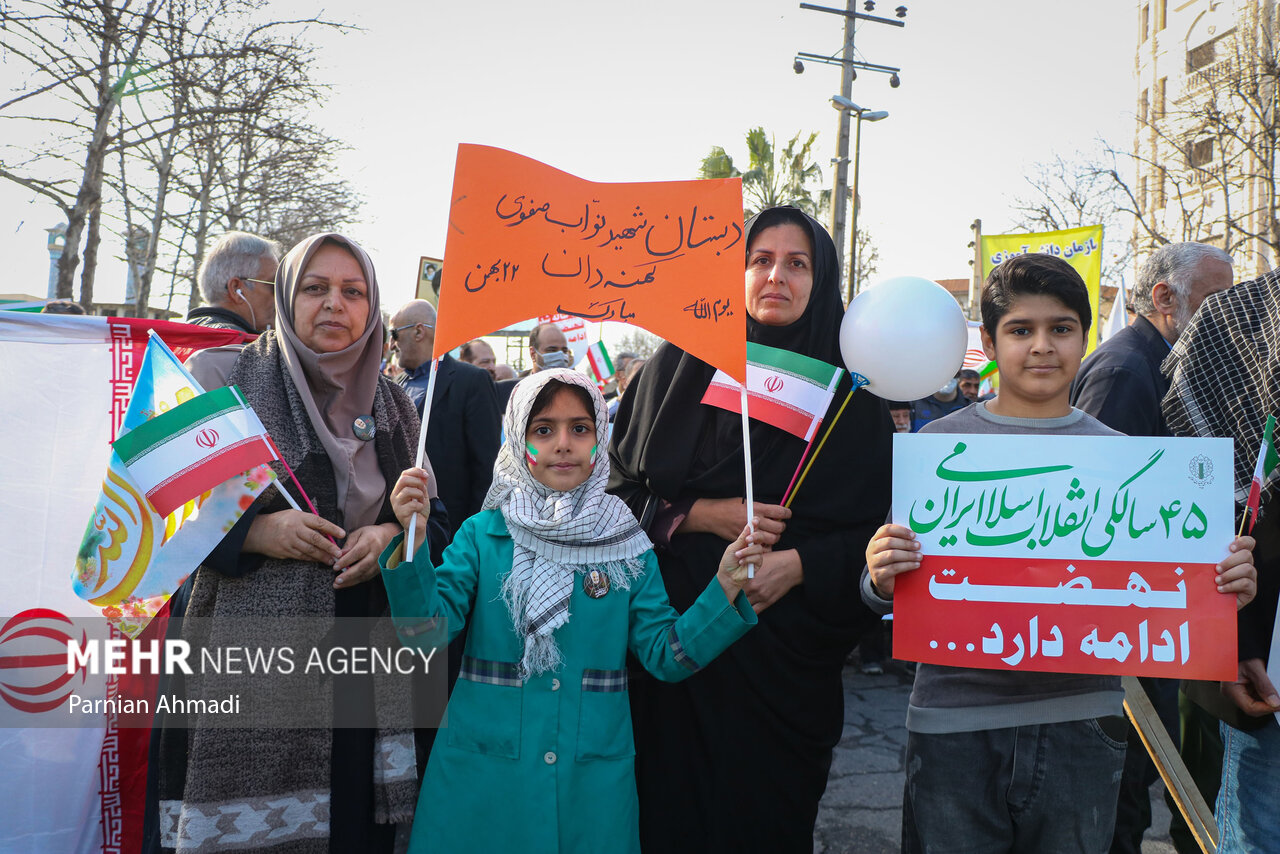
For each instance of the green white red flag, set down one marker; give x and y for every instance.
(975, 358)
(192, 448)
(785, 389)
(599, 362)
(1268, 459)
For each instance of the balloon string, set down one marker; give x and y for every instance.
(791, 497)
(799, 465)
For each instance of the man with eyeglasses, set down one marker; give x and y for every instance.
(463, 434)
(237, 280)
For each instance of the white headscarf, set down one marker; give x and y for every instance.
(558, 535)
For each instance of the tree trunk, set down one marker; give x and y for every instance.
(202, 230)
(89, 194)
(88, 197)
(164, 168)
(89, 274)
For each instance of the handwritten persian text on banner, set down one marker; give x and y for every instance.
(527, 240)
(1079, 554)
(1079, 247)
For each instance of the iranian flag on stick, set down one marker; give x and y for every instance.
(789, 391)
(194, 447)
(975, 358)
(1268, 459)
(601, 364)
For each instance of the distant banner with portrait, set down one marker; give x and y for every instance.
(1081, 554)
(527, 240)
(1079, 247)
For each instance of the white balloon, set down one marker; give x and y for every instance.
(906, 335)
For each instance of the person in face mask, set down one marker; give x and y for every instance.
(944, 401)
(548, 349)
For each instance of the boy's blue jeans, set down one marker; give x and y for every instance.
(1042, 789)
(1246, 811)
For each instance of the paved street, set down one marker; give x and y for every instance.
(862, 810)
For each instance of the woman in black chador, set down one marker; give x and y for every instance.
(759, 722)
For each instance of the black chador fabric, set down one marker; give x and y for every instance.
(736, 757)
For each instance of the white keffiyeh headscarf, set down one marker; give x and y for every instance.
(557, 535)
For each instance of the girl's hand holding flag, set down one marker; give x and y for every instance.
(746, 551)
(409, 498)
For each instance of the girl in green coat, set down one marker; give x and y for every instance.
(558, 583)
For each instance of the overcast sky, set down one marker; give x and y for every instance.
(641, 91)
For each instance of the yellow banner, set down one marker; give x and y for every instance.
(1079, 247)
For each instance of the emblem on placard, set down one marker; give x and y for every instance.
(207, 438)
(1200, 470)
(595, 583)
(774, 384)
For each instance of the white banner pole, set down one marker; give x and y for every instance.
(410, 535)
(746, 455)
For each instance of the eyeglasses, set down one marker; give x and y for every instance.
(396, 331)
(259, 281)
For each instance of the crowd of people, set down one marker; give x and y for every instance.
(639, 659)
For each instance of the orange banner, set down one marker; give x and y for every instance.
(527, 240)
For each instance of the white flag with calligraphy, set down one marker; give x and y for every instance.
(66, 384)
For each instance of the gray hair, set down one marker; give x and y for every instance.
(1176, 264)
(234, 255)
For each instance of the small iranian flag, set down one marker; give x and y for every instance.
(975, 358)
(1268, 459)
(789, 391)
(192, 448)
(600, 363)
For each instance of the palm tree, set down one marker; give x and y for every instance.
(774, 177)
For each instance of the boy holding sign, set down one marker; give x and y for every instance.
(1040, 753)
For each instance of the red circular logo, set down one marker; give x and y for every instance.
(774, 384)
(207, 438)
(33, 660)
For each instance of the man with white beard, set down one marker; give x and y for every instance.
(1121, 385)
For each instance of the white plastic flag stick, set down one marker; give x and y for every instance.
(287, 497)
(422, 452)
(746, 454)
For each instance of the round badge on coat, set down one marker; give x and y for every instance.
(363, 427)
(595, 583)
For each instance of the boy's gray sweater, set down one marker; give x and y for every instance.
(963, 699)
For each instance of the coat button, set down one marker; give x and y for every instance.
(549, 758)
(555, 684)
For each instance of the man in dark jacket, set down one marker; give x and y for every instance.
(1225, 381)
(463, 433)
(1121, 385)
(237, 281)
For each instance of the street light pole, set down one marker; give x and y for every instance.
(853, 230)
(849, 66)
(845, 106)
(841, 190)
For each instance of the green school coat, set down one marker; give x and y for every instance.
(546, 765)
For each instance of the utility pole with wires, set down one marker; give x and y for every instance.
(849, 65)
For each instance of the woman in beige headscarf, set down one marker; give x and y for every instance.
(347, 433)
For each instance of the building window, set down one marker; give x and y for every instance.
(1161, 9)
(1142, 108)
(1199, 57)
(1144, 21)
(1157, 104)
(1200, 153)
